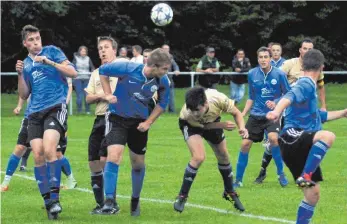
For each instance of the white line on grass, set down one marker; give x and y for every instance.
(224, 211)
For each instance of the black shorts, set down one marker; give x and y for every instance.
(215, 136)
(51, 118)
(23, 133)
(96, 145)
(122, 131)
(257, 125)
(295, 146)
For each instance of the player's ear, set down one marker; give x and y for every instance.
(24, 43)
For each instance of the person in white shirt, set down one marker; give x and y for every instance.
(137, 50)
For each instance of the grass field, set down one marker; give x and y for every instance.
(167, 157)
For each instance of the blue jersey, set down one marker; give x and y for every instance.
(47, 86)
(263, 87)
(303, 112)
(134, 91)
(278, 63)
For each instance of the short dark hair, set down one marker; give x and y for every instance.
(28, 29)
(240, 49)
(263, 49)
(313, 60)
(278, 44)
(195, 97)
(109, 38)
(147, 50)
(306, 40)
(158, 57)
(138, 48)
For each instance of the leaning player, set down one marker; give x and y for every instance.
(43, 76)
(130, 121)
(303, 142)
(200, 119)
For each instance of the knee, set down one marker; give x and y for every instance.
(273, 139)
(19, 150)
(313, 197)
(114, 156)
(246, 146)
(95, 166)
(326, 136)
(39, 158)
(198, 159)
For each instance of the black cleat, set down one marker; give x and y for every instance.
(234, 198)
(110, 207)
(180, 202)
(261, 177)
(22, 168)
(52, 216)
(97, 210)
(135, 207)
(53, 209)
(305, 181)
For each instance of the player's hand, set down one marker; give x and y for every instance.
(19, 67)
(228, 125)
(144, 126)
(177, 73)
(17, 110)
(270, 104)
(272, 116)
(345, 113)
(243, 132)
(111, 98)
(243, 114)
(41, 59)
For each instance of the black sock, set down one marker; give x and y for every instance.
(266, 160)
(134, 203)
(188, 179)
(25, 157)
(98, 187)
(227, 175)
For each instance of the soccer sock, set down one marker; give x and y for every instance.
(276, 154)
(98, 187)
(42, 180)
(241, 165)
(25, 157)
(188, 178)
(305, 213)
(314, 158)
(12, 165)
(65, 166)
(266, 160)
(227, 175)
(137, 177)
(110, 179)
(55, 176)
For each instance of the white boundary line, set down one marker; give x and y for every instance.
(224, 211)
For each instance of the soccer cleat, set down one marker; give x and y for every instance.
(305, 181)
(237, 184)
(53, 209)
(261, 177)
(180, 202)
(22, 168)
(135, 207)
(97, 210)
(110, 207)
(283, 180)
(4, 188)
(51, 216)
(234, 198)
(71, 182)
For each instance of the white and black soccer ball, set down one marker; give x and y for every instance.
(161, 14)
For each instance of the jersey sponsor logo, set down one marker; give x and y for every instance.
(139, 96)
(132, 82)
(37, 75)
(273, 81)
(266, 92)
(154, 88)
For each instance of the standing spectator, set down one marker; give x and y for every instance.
(123, 53)
(174, 67)
(146, 53)
(208, 64)
(276, 55)
(237, 83)
(83, 65)
(137, 51)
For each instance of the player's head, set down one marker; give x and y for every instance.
(83, 51)
(305, 45)
(264, 57)
(166, 48)
(146, 53)
(32, 39)
(196, 101)
(313, 61)
(107, 48)
(159, 62)
(276, 51)
(137, 50)
(123, 52)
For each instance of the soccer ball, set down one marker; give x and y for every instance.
(161, 14)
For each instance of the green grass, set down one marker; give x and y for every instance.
(166, 159)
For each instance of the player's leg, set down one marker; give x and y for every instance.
(24, 160)
(267, 157)
(65, 163)
(307, 206)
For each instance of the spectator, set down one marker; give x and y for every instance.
(83, 65)
(146, 53)
(123, 53)
(208, 64)
(174, 67)
(137, 51)
(276, 55)
(237, 82)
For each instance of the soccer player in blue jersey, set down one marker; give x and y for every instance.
(266, 85)
(129, 120)
(43, 76)
(303, 142)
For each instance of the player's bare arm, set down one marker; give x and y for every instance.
(238, 117)
(276, 113)
(23, 89)
(248, 106)
(65, 67)
(105, 83)
(334, 115)
(18, 108)
(144, 126)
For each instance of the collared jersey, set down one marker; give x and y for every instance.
(278, 63)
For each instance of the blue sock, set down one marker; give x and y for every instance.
(110, 179)
(65, 166)
(54, 169)
(241, 165)
(276, 155)
(314, 158)
(305, 213)
(137, 177)
(42, 180)
(12, 165)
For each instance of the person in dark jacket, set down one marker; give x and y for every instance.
(208, 64)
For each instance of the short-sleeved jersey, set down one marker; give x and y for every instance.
(266, 87)
(293, 69)
(217, 104)
(303, 112)
(47, 85)
(134, 90)
(277, 63)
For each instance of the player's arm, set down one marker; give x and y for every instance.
(334, 115)
(92, 97)
(69, 92)
(251, 96)
(321, 92)
(23, 89)
(18, 108)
